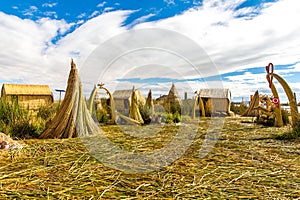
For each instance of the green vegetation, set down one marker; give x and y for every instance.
(238, 109)
(22, 123)
(103, 115)
(170, 118)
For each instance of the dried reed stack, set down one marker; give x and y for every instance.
(73, 118)
(149, 103)
(254, 102)
(134, 112)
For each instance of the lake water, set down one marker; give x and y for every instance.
(287, 108)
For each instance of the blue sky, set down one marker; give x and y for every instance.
(240, 37)
(76, 10)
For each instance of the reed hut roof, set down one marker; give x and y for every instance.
(25, 89)
(173, 93)
(162, 98)
(126, 94)
(122, 94)
(215, 93)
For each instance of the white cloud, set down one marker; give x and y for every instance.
(94, 14)
(82, 15)
(25, 42)
(33, 8)
(240, 43)
(30, 11)
(49, 5)
(107, 9)
(101, 4)
(141, 19)
(197, 2)
(142, 54)
(79, 45)
(246, 83)
(50, 14)
(185, 1)
(80, 22)
(169, 2)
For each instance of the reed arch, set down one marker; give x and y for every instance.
(111, 101)
(288, 91)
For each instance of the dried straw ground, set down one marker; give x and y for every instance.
(247, 163)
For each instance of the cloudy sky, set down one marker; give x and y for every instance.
(150, 44)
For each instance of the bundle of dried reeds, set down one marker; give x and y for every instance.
(73, 118)
(134, 108)
(150, 103)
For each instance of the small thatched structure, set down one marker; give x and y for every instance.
(173, 102)
(216, 100)
(28, 96)
(122, 99)
(73, 118)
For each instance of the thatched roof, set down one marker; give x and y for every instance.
(126, 94)
(215, 93)
(162, 98)
(25, 89)
(122, 94)
(173, 93)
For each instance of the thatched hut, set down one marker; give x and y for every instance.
(122, 99)
(171, 102)
(28, 96)
(216, 100)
